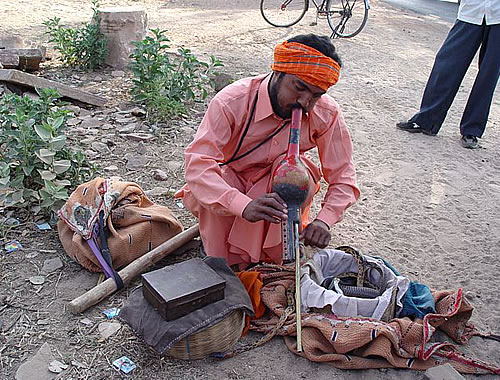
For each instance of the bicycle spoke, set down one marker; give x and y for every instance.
(283, 12)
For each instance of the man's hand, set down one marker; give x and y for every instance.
(316, 234)
(269, 207)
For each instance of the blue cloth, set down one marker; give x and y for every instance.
(417, 301)
(451, 63)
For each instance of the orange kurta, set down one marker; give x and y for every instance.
(218, 195)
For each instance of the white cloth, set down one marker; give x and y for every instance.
(331, 262)
(474, 11)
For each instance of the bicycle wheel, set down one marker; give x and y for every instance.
(283, 13)
(347, 17)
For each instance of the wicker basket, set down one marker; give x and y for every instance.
(220, 337)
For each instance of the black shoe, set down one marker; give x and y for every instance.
(414, 128)
(469, 142)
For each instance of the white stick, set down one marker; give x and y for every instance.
(297, 287)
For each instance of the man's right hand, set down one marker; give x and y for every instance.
(269, 207)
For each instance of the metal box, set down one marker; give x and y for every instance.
(179, 289)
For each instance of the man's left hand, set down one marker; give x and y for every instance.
(316, 234)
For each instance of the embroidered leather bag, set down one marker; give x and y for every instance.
(134, 224)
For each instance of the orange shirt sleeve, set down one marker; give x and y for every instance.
(202, 158)
(335, 153)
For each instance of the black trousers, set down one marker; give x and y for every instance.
(451, 63)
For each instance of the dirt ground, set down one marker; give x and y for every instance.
(428, 206)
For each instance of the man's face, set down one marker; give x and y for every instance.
(288, 91)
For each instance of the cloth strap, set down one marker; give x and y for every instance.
(307, 63)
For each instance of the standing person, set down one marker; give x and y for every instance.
(477, 26)
(244, 136)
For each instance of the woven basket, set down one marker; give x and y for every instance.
(220, 337)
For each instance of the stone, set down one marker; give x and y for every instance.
(91, 123)
(135, 162)
(174, 165)
(52, 265)
(107, 329)
(443, 372)
(99, 147)
(32, 81)
(117, 73)
(160, 175)
(73, 121)
(36, 368)
(107, 126)
(126, 120)
(55, 366)
(27, 59)
(221, 81)
(139, 136)
(111, 168)
(87, 141)
(12, 42)
(122, 26)
(127, 128)
(75, 109)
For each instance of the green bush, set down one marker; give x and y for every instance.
(164, 84)
(84, 47)
(36, 167)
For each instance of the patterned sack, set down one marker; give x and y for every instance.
(135, 225)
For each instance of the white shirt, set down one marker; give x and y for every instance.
(474, 11)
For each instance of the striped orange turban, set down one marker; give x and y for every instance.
(308, 64)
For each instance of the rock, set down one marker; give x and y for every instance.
(122, 26)
(91, 123)
(107, 126)
(173, 165)
(111, 168)
(36, 368)
(73, 121)
(136, 111)
(74, 109)
(107, 329)
(125, 120)
(99, 147)
(117, 73)
(55, 366)
(443, 372)
(52, 265)
(141, 148)
(139, 136)
(37, 280)
(160, 175)
(135, 162)
(127, 128)
(221, 81)
(87, 141)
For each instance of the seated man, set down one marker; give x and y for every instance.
(243, 137)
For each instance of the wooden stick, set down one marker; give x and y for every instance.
(136, 267)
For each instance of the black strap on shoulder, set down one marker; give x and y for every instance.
(252, 112)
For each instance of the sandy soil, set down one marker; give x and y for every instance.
(428, 206)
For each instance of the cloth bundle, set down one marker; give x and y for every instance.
(330, 263)
(361, 342)
(135, 225)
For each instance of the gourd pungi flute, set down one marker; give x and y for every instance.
(291, 181)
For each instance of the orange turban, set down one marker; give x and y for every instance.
(308, 64)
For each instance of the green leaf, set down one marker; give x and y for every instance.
(47, 174)
(4, 181)
(60, 166)
(46, 155)
(56, 124)
(57, 143)
(62, 182)
(43, 131)
(50, 187)
(28, 169)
